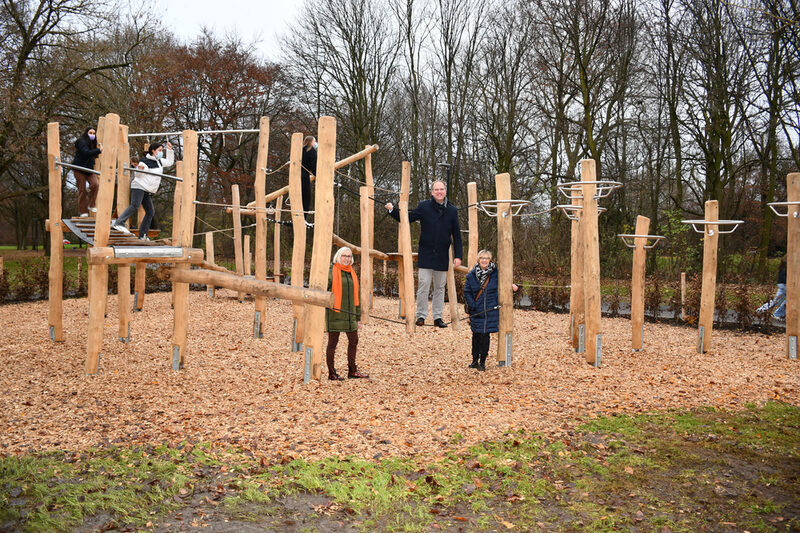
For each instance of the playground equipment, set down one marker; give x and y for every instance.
(585, 303)
(711, 230)
(640, 242)
(792, 260)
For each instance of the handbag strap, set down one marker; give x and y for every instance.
(485, 282)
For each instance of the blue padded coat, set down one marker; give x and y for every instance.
(483, 320)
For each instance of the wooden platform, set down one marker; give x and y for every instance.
(83, 228)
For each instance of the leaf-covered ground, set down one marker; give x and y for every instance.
(422, 399)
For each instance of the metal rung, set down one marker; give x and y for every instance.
(147, 251)
(695, 223)
(626, 238)
(515, 206)
(773, 205)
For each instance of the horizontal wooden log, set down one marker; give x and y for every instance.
(338, 241)
(285, 190)
(249, 286)
(105, 255)
(213, 266)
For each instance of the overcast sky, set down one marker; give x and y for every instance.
(262, 20)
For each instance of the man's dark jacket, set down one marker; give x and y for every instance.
(438, 224)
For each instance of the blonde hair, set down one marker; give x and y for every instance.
(337, 257)
(308, 141)
(484, 252)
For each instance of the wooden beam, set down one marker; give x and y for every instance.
(123, 201)
(472, 200)
(98, 274)
(276, 241)
(591, 262)
(705, 322)
(260, 186)
(637, 282)
(505, 267)
(176, 212)
(185, 237)
(792, 266)
(298, 233)
(237, 235)
(56, 273)
(370, 183)
(339, 242)
(104, 255)
(229, 280)
(405, 249)
(577, 315)
(321, 251)
(210, 256)
(365, 297)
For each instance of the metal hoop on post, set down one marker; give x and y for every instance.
(627, 239)
(571, 210)
(574, 189)
(695, 223)
(491, 207)
(773, 205)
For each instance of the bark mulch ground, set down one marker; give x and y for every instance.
(422, 399)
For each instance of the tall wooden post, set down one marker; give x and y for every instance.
(792, 266)
(370, 183)
(210, 257)
(123, 200)
(366, 255)
(591, 265)
(637, 282)
(237, 234)
(505, 267)
(176, 212)
(185, 237)
(472, 199)
(98, 274)
(299, 235)
(401, 280)
(56, 273)
(683, 295)
(276, 241)
(248, 256)
(710, 245)
(321, 251)
(140, 273)
(452, 297)
(405, 239)
(260, 186)
(577, 303)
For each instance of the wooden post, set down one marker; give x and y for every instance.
(237, 234)
(139, 283)
(299, 235)
(472, 199)
(370, 183)
(401, 282)
(591, 265)
(210, 257)
(710, 244)
(98, 274)
(405, 240)
(185, 238)
(248, 257)
(792, 266)
(56, 273)
(176, 212)
(321, 252)
(276, 241)
(505, 267)
(123, 270)
(100, 132)
(577, 304)
(683, 295)
(366, 258)
(452, 297)
(260, 186)
(637, 282)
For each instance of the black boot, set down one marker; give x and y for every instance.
(474, 361)
(482, 363)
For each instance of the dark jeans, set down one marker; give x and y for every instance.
(139, 198)
(352, 344)
(480, 346)
(84, 201)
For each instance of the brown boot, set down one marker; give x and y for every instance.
(333, 376)
(356, 374)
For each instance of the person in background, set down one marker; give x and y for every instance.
(345, 316)
(779, 301)
(439, 225)
(308, 168)
(86, 151)
(480, 295)
(144, 186)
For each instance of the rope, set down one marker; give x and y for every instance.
(218, 230)
(537, 213)
(339, 172)
(254, 208)
(532, 285)
(277, 169)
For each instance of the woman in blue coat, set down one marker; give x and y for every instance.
(480, 294)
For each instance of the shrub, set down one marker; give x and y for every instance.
(652, 296)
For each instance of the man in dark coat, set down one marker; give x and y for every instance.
(439, 221)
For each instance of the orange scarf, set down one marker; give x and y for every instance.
(336, 285)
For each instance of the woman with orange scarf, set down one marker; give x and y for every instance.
(345, 316)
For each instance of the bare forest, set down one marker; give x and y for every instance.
(682, 101)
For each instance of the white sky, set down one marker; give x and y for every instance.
(252, 20)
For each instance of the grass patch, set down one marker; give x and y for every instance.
(683, 470)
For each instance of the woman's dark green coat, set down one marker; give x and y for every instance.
(347, 319)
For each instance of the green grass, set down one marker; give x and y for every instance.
(683, 470)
